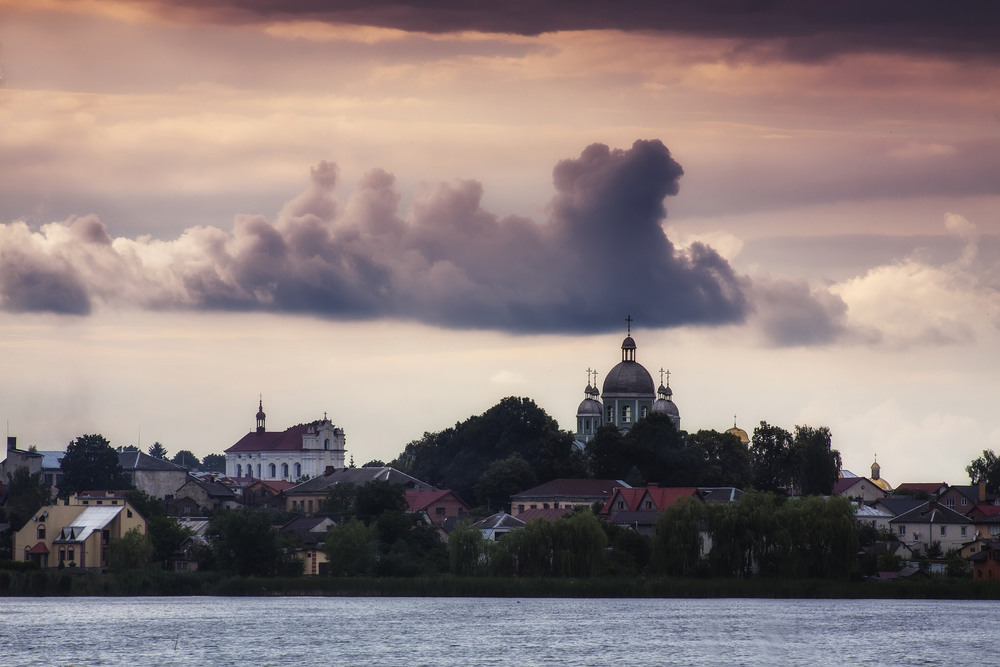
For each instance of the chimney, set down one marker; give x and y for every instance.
(11, 443)
(330, 470)
(982, 489)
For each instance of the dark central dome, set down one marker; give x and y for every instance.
(630, 379)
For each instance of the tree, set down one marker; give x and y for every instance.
(466, 550)
(502, 479)
(90, 463)
(377, 497)
(374, 463)
(186, 459)
(214, 463)
(127, 448)
(131, 551)
(26, 494)
(158, 451)
(986, 469)
(771, 458)
(817, 464)
(244, 542)
(340, 502)
(352, 549)
(726, 460)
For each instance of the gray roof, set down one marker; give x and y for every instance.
(899, 505)
(89, 520)
(140, 461)
(499, 520)
(52, 459)
(931, 512)
(358, 477)
(719, 494)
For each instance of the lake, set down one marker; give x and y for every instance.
(488, 631)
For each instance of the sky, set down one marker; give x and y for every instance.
(398, 213)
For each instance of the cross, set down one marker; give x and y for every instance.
(324, 415)
(588, 376)
(628, 321)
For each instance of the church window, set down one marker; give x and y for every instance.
(284, 470)
(626, 414)
(258, 471)
(326, 443)
(611, 414)
(298, 470)
(644, 412)
(586, 426)
(239, 471)
(272, 471)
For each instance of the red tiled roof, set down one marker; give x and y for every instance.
(928, 487)
(276, 485)
(631, 497)
(420, 500)
(844, 483)
(39, 548)
(271, 441)
(547, 513)
(988, 510)
(664, 497)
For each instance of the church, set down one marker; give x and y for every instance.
(628, 396)
(306, 449)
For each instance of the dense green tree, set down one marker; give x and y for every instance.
(26, 494)
(457, 457)
(466, 550)
(725, 460)
(352, 549)
(677, 543)
(771, 458)
(127, 448)
(628, 552)
(131, 551)
(374, 463)
(186, 459)
(245, 543)
(339, 503)
(607, 453)
(90, 464)
(502, 479)
(572, 546)
(817, 463)
(214, 463)
(377, 497)
(986, 469)
(157, 451)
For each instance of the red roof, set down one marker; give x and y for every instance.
(271, 441)
(927, 487)
(547, 513)
(664, 497)
(573, 487)
(39, 548)
(630, 497)
(421, 500)
(276, 485)
(844, 483)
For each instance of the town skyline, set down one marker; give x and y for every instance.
(399, 218)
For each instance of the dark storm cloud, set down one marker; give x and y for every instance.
(806, 30)
(791, 314)
(601, 254)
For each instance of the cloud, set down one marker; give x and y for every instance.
(789, 313)
(805, 31)
(449, 262)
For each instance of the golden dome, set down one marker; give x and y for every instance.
(740, 433)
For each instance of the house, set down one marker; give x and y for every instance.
(310, 535)
(637, 508)
(74, 535)
(268, 494)
(184, 557)
(986, 519)
(437, 504)
(155, 476)
(932, 522)
(495, 526)
(561, 493)
(307, 497)
(964, 498)
(876, 517)
(305, 450)
(45, 462)
(986, 562)
(209, 496)
(858, 488)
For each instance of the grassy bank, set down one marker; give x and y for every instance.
(42, 583)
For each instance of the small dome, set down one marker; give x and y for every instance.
(882, 484)
(589, 408)
(664, 406)
(592, 392)
(628, 343)
(739, 433)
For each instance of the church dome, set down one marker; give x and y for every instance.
(589, 408)
(739, 433)
(628, 378)
(628, 343)
(664, 406)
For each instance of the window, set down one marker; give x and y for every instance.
(310, 506)
(644, 412)
(272, 471)
(950, 503)
(284, 470)
(902, 530)
(626, 414)
(258, 471)
(326, 444)
(72, 554)
(649, 504)
(129, 513)
(962, 529)
(239, 471)
(545, 506)
(520, 508)
(62, 555)
(439, 511)
(586, 426)
(965, 502)
(41, 531)
(298, 470)
(944, 531)
(620, 505)
(611, 414)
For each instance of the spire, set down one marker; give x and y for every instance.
(260, 414)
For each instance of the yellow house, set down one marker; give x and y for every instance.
(74, 535)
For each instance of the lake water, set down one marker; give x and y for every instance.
(476, 631)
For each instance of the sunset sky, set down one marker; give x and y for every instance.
(399, 213)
